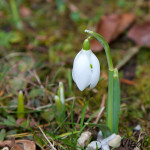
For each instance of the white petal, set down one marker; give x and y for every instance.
(81, 69)
(95, 71)
(76, 58)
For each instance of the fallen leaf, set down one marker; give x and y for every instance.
(140, 34)
(110, 27)
(17, 147)
(125, 21)
(27, 145)
(19, 144)
(106, 27)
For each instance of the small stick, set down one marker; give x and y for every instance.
(130, 54)
(51, 145)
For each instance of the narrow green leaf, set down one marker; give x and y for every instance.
(66, 134)
(109, 110)
(10, 121)
(2, 75)
(83, 127)
(71, 114)
(116, 101)
(83, 114)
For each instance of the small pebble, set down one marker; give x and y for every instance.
(138, 127)
(106, 140)
(83, 139)
(94, 145)
(5, 148)
(99, 136)
(105, 147)
(104, 143)
(115, 142)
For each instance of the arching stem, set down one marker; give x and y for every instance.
(102, 41)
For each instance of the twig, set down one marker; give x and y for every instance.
(51, 145)
(131, 52)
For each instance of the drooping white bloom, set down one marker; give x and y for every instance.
(86, 69)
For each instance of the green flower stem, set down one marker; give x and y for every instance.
(109, 120)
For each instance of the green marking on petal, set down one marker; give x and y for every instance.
(91, 66)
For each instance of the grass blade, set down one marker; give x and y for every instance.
(83, 114)
(2, 75)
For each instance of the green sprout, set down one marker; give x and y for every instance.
(60, 103)
(20, 108)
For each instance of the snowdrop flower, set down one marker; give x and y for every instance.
(86, 68)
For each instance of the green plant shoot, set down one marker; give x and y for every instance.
(20, 108)
(60, 103)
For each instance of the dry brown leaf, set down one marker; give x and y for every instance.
(27, 145)
(106, 27)
(19, 144)
(17, 147)
(125, 21)
(110, 27)
(140, 34)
